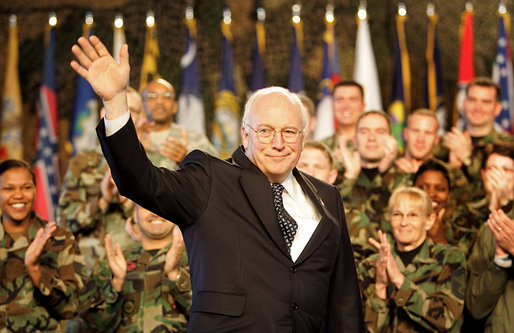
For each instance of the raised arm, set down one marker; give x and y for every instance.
(108, 78)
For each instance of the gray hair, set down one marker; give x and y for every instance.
(295, 100)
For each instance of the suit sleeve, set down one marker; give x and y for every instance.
(345, 307)
(180, 196)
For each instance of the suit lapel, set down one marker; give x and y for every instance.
(258, 190)
(325, 225)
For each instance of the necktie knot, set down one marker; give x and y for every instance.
(287, 224)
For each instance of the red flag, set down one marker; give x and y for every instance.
(466, 64)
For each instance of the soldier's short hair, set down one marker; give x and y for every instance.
(349, 83)
(14, 164)
(161, 81)
(432, 165)
(419, 198)
(422, 112)
(484, 81)
(321, 147)
(377, 112)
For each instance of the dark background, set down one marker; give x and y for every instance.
(33, 17)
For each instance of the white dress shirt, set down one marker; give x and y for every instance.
(303, 211)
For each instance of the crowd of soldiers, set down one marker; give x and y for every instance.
(432, 230)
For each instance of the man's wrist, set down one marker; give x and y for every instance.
(504, 261)
(174, 276)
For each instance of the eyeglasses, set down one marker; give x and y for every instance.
(267, 134)
(165, 95)
(398, 216)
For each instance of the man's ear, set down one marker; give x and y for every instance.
(498, 109)
(332, 176)
(244, 136)
(133, 230)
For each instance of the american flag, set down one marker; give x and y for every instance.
(45, 161)
(502, 74)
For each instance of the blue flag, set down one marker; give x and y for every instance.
(85, 113)
(190, 106)
(258, 78)
(502, 74)
(295, 74)
(226, 126)
(45, 162)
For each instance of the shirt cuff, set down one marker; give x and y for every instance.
(114, 125)
(503, 261)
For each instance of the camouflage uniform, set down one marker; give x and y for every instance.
(431, 297)
(80, 212)
(28, 308)
(490, 292)
(149, 301)
(195, 140)
(365, 203)
(460, 225)
(481, 149)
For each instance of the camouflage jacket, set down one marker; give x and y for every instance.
(80, 211)
(25, 307)
(149, 302)
(431, 297)
(195, 140)
(371, 195)
(481, 149)
(490, 291)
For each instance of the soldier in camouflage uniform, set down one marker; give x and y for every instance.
(412, 284)
(348, 104)
(454, 225)
(166, 137)
(40, 263)
(420, 139)
(369, 179)
(468, 149)
(145, 288)
(498, 177)
(490, 292)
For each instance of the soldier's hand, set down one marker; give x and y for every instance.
(503, 229)
(117, 263)
(143, 133)
(108, 187)
(351, 162)
(408, 165)
(382, 279)
(390, 147)
(501, 185)
(174, 149)
(459, 145)
(108, 78)
(35, 250)
(172, 264)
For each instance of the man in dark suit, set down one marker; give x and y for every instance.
(252, 270)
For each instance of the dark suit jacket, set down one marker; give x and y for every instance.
(242, 275)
